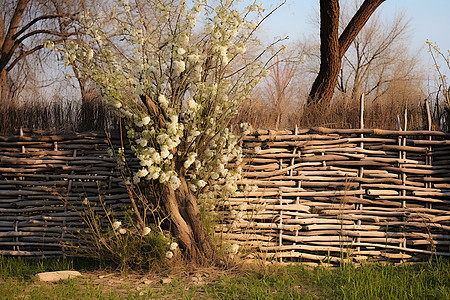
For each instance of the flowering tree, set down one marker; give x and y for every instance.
(177, 84)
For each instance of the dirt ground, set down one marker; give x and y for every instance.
(163, 284)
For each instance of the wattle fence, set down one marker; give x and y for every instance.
(45, 183)
(330, 194)
(323, 195)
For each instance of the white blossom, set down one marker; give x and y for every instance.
(141, 142)
(153, 172)
(117, 104)
(162, 138)
(156, 157)
(192, 187)
(146, 120)
(163, 101)
(173, 246)
(142, 172)
(201, 183)
(90, 54)
(116, 225)
(164, 177)
(146, 231)
(192, 22)
(122, 231)
(169, 254)
(192, 105)
(164, 151)
(178, 67)
(193, 58)
(174, 182)
(190, 160)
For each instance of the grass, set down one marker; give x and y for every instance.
(24, 268)
(377, 281)
(370, 281)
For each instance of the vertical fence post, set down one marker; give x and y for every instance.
(361, 168)
(291, 173)
(69, 187)
(280, 235)
(16, 238)
(428, 158)
(403, 173)
(429, 161)
(16, 223)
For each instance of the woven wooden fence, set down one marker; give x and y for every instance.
(325, 195)
(45, 183)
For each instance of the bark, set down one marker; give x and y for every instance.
(9, 40)
(187, 225)
(7, 43)
(4, 87)
(357, 23)
(330, 61)
(333, 47)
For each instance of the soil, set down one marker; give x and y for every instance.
(182, 277)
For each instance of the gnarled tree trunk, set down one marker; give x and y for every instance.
(186, 222)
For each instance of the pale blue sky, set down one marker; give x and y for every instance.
(428, 19)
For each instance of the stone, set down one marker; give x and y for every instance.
(166, 280)
(57, 275)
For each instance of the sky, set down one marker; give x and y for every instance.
(427, 20)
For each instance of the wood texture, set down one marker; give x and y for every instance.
(323, 194)
(330, 194)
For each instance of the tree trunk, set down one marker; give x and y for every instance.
(186, 223)
(330, 60)
(5, 90)
(333, 47)
(3, 86)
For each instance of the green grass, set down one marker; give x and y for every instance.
(371, 281)
(26, 268)
(375, 281)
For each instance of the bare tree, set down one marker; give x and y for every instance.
(334, 46)
(377, 57)
(25, 26)
(278, 88)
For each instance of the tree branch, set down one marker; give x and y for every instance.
(8, 41)
(18, 42)
(34, 21)
(26, 53)
(357, 23)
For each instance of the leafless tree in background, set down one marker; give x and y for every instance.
(24, 27)
(278, 88)
(441, 107)
(377, 57)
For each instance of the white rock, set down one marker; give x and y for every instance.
(166, 280)
(57, 275)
